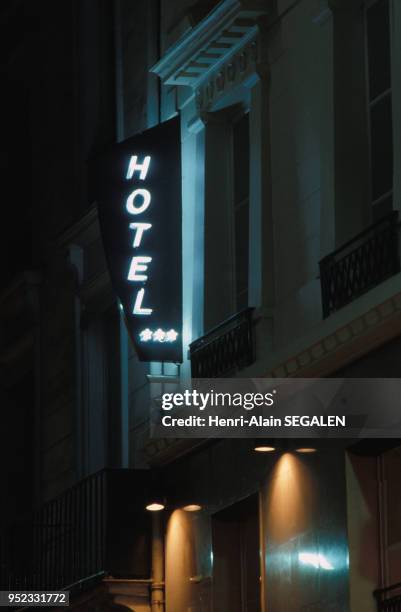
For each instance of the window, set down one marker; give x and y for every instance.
(241, 209)
(227, 188)
(378, 57)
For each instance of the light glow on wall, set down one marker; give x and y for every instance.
(316, 560)
(291, 500)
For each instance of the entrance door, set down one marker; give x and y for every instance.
(236, 559)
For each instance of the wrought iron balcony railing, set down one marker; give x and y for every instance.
(225, 349)
(360, 264)
(96, 528)
(389, 599)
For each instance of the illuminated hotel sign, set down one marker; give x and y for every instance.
(139, 199)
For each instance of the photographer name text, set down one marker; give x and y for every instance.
(255, 421)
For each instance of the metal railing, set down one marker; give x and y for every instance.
(361, 264)
(225, 349)
(389, 598)
(87, 531)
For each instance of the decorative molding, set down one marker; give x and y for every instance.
(237, 70)
(163, 379)
(345, 345)
(208, 46)
(196, 125)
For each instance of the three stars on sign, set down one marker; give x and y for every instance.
(158, 336)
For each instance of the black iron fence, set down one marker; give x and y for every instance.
(224, 349)
(97, 527)
(389, 599)
(360, 264)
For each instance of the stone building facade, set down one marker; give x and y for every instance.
(290, 145)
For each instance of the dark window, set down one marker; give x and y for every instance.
(241, 208)
(378, 39)
(380, 106)
(381, 133)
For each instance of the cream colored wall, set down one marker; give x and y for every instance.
(363, 531)
(305, 546)
(391, 526)
(188, 562)
(303, 515)
(296, 93)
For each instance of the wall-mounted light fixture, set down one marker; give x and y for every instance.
(155, 498)
(261, 445)
(155, 506)
(192, 508)
(269, 445)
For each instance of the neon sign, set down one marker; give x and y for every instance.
(139, 198)
(139, 263)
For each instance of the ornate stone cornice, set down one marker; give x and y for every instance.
(241, 68)
(209, 45)
(346, 344)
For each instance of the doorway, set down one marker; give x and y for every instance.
(236, 557)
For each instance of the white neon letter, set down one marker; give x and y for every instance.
(137, 210)
(139, 229)
(138, 264)
(133, 165)
(138, 310)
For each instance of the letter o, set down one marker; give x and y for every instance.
(137, 210)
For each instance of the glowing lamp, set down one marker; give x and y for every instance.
(262, 445)
(155, 506)
(192, 508)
